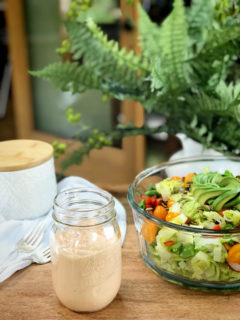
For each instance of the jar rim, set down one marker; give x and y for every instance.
(77, 216)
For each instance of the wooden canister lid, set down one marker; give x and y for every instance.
(23, 154)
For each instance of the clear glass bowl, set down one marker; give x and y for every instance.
(219, 277)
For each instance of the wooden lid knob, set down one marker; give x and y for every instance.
(22, 154)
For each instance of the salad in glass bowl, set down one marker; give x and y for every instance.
(187, 215)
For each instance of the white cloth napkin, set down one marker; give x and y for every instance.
(13, 230)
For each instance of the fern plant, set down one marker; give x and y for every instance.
(187, 72)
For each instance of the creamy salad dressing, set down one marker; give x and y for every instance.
(86, 268)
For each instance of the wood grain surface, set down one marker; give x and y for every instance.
(29, 294)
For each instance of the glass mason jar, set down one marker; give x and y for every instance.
(85, 246)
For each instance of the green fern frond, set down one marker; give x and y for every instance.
(149, 34)
(170, 69)
(226, 134)
(88, 41)
(206, 104)
(199, 18)
(212, 66)
(69, 76)
(230, 95)
(136, 62)
(200, 15)
(224, 36)
(225, 102)
(117, 69)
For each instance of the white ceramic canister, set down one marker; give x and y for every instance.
(27, 179)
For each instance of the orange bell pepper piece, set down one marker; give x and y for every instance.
(170, 203)
(160, 212)
(149, 231)
(234, 254)
(188, 179)
(227, 246)
(171, 215)
(176, 178)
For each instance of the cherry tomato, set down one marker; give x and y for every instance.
(160, 212)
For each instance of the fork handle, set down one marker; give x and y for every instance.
(6, 273)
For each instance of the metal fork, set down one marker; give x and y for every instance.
(32, 239)
(27, 244)
(40, 256)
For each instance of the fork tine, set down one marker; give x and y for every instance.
(46, 251)
(48, 256)
(36, 232)
(32, 232)
(42, 256)
(37, 237)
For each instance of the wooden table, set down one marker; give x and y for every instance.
(29, 295)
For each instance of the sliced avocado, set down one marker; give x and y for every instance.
(219, 203)
(200, 190)
(216, 179)
(195, 187)
(233, 203)
(202, 199)
(230, 182)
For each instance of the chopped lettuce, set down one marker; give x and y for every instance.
(209, 219)
(166, 234)
(180, 219)
(177, 197)
(192, 255)
(168, 187)
(200, 263)
(232, 216)
(191, 208)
